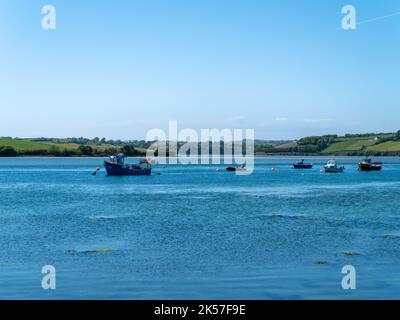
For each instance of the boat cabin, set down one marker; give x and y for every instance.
(331, 163)
(118, 159)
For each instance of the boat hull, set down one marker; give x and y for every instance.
(230, 169)
(302, 166)
(235, 169)
(368, 167)
(113, 169)
(334, 169)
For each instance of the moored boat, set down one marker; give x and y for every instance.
(241, 168)
(367, 165)
(302, 165)
(116, 166)
(333, 167)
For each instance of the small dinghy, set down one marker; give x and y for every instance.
(241, 168)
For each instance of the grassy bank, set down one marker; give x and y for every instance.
(379, 144)
(25, 147)
(382, 144)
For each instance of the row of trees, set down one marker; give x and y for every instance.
(87, 151)
(8, 152)
(128, 150)
(363, 135)
(314, 144)
(95, 142)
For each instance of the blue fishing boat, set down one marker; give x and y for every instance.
(116, 166)
(302, 165)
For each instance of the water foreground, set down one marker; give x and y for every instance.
(193, 232)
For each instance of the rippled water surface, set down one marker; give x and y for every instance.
(194, 232)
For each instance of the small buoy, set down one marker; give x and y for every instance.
(321, 171)
(163, 167)
(94, 173)
(273, 169)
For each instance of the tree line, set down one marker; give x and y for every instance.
(94, 142)
(86, 151)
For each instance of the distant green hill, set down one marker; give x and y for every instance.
(389, 146)
(372, 144)
(350, 144)
(30, 147)
(356, 144)
(23, 145)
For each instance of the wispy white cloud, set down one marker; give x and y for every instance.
(236, 118)
(304, 120)
(281, 119)
(314, 120)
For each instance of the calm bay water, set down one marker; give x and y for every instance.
(192, 232)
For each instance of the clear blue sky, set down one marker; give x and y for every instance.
(119, 68)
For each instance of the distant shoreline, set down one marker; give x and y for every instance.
(256, 156)
(368, 144)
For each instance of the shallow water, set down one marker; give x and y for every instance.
(193, 232)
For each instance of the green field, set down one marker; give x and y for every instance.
(28, 145)
(331, 144)
(339, 145)
(75, 146)
(24, 145)
(390, 146)
(362, 144)
(349, 145)
(286, 145)
(34, 147)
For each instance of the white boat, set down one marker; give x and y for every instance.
(333, 167)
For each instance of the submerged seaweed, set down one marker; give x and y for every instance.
(320, 262)
(101, 217)
(351, 254)
(391, 236)
(97, 250)
(100, 250)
